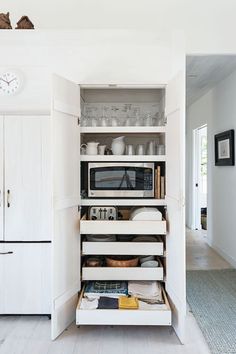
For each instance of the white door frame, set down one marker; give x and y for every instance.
(196, 180)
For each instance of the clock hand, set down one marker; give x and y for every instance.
(11, 80)
(3, 80)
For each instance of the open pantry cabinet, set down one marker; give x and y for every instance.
(71, 223)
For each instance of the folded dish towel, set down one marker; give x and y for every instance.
(148, 291)
(89, 304)
(129, 303)
(107, 303)
(106, 288)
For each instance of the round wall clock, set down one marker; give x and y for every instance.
(10, 83)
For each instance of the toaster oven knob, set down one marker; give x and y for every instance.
(94, 217)
(111, 217)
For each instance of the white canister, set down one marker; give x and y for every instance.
(118, 146)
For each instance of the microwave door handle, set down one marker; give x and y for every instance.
(129, 183)
(122, 180)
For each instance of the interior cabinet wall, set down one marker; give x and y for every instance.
(27, 178)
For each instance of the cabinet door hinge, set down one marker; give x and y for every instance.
(78, 121)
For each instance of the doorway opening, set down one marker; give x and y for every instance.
(200, 178)
(210, 109)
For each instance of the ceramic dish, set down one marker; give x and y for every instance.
(101, 238)
(93, 262)
(146, 213)
(150, 264)
(146, 259)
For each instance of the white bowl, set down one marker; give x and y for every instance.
(146, 259)
(150, 264)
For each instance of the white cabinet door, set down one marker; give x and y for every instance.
(2, 250)
(25, 283)
(27, 178)
(1, 178)
(175, 191)
(66, 195)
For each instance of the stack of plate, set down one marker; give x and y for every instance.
(146, 213)
(101, 238)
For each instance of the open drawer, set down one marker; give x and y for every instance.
(125, 273)
(122, 227)
(123, 248)
(157, 317)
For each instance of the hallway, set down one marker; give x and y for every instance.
(199, 255)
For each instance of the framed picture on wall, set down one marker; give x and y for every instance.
(224, 148)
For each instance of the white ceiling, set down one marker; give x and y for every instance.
(204, 72)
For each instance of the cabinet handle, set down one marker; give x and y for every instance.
(2, 253)
(8, 198)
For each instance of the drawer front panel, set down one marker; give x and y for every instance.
(129, 273)
(123, 227)
(123, 248)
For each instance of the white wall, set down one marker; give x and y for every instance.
(86, 57)
(198, 115)
(222, 196)
(218, 109)
(209, 25)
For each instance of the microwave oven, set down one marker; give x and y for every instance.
(121, 180)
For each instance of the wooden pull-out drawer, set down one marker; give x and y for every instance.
(125, 273)
(123, 248)
(157, 317)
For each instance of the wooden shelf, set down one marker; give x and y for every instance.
(123, 202)
(122, 158)
(128, 130)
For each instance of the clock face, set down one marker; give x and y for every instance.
(9, 83)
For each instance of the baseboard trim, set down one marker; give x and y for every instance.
(223, 254)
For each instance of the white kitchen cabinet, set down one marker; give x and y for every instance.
(25, 278)
(27, 178)
(1, 179)
(25, 214)
(65, 113)
(66, 200)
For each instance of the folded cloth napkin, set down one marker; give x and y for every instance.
(107, 303)
(146, 306)
(129, 303)
(89, 304)
(106, 288)
(148, 291)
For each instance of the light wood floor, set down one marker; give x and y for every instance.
(31, 335)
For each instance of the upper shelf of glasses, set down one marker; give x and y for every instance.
(128, 129)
